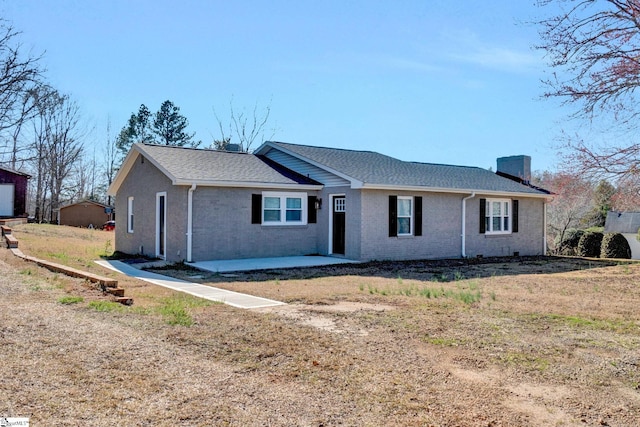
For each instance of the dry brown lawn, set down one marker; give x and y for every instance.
(518, 342)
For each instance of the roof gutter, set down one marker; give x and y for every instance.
(249, 184)
(450, 190)
(190, 221)
(464, 225)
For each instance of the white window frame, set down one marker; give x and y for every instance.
(411, 215)
(130, 214)
(283, 196)
(504, 214)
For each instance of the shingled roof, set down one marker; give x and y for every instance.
(365, 169)
(373, 170)
(186, 166)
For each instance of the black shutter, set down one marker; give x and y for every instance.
(483, 214)
(393, 216)
(514, 219)
(256, 209)
(417, 228)
(312, 214)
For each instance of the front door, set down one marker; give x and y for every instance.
(161, 225)
(339, 225)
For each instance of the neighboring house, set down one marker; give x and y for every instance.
(286, 199)
(13, 193)
(86, 213)
(628, 224)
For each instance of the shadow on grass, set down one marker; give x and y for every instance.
(426, 270)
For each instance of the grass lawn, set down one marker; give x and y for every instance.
(506, 342)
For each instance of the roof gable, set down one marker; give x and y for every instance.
(187, 166)
(15, 172)
(368, 169)
(622, 222)
(86, 201)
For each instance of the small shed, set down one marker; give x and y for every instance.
(13, 193)
(86, 213)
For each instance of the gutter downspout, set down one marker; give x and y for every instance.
(464, 226)
(544, 225)
(190, 221)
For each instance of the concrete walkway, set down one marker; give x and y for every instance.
(231, 298)
(229, 265)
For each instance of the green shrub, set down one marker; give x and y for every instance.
(569, 243)
(590, 244)
(614, 245)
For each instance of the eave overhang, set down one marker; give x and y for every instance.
(417, 188)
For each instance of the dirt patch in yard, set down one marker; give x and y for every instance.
(506, 342)
(529, 341)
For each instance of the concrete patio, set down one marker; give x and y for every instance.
(248, 264)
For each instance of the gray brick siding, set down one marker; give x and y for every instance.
(223, 230)
(143, 182)
(440, 231)
(528, 240)
(222, 226)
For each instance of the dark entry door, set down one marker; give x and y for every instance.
(339, 210)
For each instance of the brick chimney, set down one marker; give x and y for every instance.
(515, 166)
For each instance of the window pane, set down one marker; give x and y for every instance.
(272, 203)
(496, 224)
(495, 211)
(404, 225)
(294, 215)
(487, 224)
(404, 207)
(506, 223)
(294, 203)
(506, 208)
(271, 215)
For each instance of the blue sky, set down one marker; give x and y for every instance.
(437, 81)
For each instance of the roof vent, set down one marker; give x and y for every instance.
(516, 166)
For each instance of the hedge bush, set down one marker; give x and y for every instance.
(590, 244)
(569, 244)
(614, 245)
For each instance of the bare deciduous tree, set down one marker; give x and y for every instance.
(65, 147)
(18, 75)
(243, 128)
(56, 147)
(110, 156)
(593, 48)
(41, 128)
(572, 202)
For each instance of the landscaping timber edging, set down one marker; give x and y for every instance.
(69, 271)
(106, 284)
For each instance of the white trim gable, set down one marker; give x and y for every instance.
(268, 146)
(137, 151)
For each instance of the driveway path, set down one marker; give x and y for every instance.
(231, 298)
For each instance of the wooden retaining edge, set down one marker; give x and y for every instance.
(107, 284)
(69, 271)
(12, 242)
